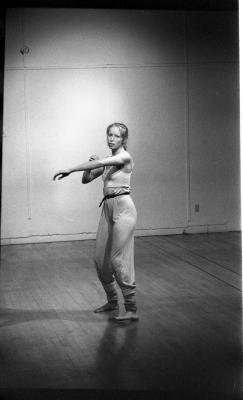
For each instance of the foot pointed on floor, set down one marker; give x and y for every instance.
(106, 307)
(128, 316)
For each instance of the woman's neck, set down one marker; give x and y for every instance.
(117, 151)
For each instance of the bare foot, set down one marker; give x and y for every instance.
(128, 316)
(106, 307)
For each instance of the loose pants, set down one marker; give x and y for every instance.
(114, 252)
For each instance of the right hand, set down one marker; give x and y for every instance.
(94, 157)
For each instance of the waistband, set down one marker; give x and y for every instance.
(109, 196)
(116, 190)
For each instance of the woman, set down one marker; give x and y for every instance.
(114, 253)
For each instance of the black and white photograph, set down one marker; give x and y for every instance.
(121, 245)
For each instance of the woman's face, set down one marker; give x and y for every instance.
(114, 139)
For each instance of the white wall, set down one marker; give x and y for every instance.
(172, 77)
(214, 141)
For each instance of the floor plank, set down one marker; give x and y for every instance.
(197, 260)
(215, 247)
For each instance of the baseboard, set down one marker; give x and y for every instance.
(190, 229)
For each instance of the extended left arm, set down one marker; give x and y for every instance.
(113, 160)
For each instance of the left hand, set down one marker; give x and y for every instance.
(62, 174)
(94, 157)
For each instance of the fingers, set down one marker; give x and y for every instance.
(55, 176)
(59, 177)
(93, 157)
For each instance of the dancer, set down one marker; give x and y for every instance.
(114, 251)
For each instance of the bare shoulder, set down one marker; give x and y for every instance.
(127, 156)
(122, 158)
(129, 159)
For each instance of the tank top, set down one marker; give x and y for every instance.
(116, 179)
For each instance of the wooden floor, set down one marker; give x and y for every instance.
(187, 342)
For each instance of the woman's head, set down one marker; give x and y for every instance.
(116, 130)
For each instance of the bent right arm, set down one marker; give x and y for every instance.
(90, 175)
